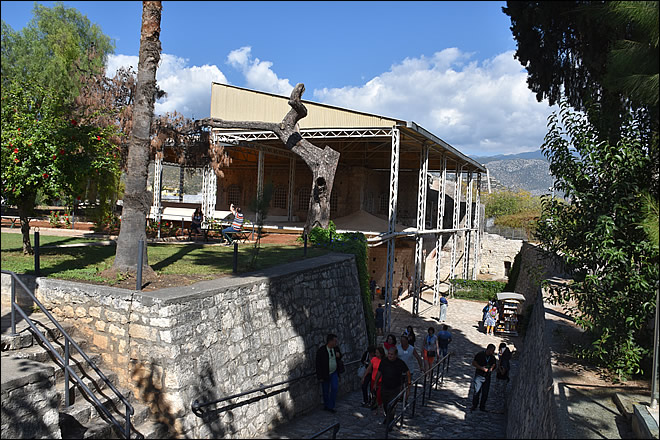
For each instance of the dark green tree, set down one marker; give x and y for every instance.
(582, 50)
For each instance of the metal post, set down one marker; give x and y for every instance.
(394, 190)
(305, 241)
(36, 254)
(67, 390)
(468, 227)
(260, 183)
(13, 306)
(477, 231)
(235, 256)
(421, 225)
(456, 220)
(140, 259)
(656, 355)
(440, 224)
(158, 176)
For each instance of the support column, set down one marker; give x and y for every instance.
(477, 231)
(158, 179)
(468, 228)
(260, 182)
(181, 183)
(394, 190)
(456, 220)
(439, 225)
(209, 190)
(292, 178)
(421, 225)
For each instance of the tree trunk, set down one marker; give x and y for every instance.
(136, 199)
(322, 162)
(25, 210)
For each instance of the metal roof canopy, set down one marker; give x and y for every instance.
(344, 130)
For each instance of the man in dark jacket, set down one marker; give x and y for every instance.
(328, 368)
(485, 363)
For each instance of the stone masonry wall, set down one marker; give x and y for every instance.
(530, 406)
(222, 337)
(495, 251)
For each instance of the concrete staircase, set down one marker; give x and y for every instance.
(23, 355)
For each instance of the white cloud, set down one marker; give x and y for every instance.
(188, 88)
(479, 108)
(258, 74)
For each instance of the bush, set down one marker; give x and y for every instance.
(476, 289)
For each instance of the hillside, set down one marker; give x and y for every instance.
(527, 171)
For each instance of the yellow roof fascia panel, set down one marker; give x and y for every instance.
(233, 103)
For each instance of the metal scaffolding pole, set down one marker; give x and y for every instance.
(456, 219)
(158, 179)
(292, 178)
(421, 225)
(394, 190)
(209, 188)
(438, 237)
(477, 231)
(260, 182)
(468, 227)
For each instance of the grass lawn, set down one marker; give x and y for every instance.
(86, 263)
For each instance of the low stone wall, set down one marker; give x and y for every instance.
(222, 337)
(531, 406)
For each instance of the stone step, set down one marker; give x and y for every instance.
(40, 353)
(24, 337)
(75, 422)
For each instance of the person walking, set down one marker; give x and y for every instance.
(484, 363)
(196, 223)
(372, 369)
(390, 342)
(443, 308)
(328, 368)
(380, 319)
(430, 348)
(372, 288)
(411, 335)
(365, 363)
(444, 338)
(502, 376)
(491, 320)
(390, 371)
(407, 353)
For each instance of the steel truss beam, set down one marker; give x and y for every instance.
(421, 224)
(232, 137)
(209, 189)
(158, 184)
(394, 190)
(468, 226)
(478, 232)
(439, 236)
(456, 219)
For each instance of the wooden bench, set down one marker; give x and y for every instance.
(242, 237)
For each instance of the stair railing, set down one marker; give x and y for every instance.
(439, 369)
(334, 427)
(196, 405)
(68, 371)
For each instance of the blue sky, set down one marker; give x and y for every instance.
(448, 66)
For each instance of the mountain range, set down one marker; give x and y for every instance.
(529, 171)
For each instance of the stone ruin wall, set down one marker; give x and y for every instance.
(222, 337)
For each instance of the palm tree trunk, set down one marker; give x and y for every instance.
(136, 199)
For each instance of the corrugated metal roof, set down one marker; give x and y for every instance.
(233, 103)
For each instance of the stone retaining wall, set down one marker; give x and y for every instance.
(531, 406)
(222, 337)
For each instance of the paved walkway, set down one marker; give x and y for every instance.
(448, 413)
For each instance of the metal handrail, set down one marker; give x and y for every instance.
(125, 430)
(334, 427)
(196, 405)
(422, 377)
